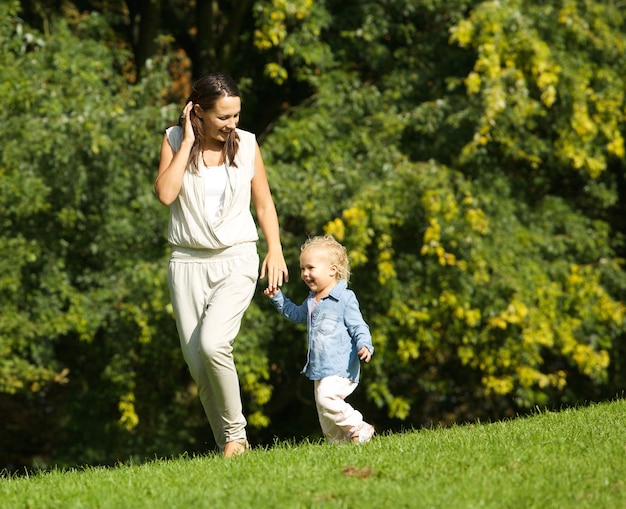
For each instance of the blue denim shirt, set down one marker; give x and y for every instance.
(336, 331)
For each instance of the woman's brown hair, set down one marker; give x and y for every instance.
(205, 92)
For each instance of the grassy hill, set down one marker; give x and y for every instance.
(569, 459)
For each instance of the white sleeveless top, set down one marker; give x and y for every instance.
(232, 223)
(215, 179)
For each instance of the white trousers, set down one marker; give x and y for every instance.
(338, 419)
(210, 291)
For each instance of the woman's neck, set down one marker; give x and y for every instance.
(212, 155)
(213, 145)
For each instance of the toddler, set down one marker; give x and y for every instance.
(338, 337)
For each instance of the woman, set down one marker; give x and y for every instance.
(208, 173)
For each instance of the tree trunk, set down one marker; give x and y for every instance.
(145, 28)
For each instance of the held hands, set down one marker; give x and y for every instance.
(272, 292)
(364, 354)
(277, 274)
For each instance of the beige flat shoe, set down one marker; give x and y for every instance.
(364, 434)
(235, 448)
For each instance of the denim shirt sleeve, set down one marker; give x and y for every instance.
(288, 309)
(357, 327)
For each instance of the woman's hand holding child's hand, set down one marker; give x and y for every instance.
(270, 292)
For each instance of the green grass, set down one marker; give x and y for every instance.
(569, 459)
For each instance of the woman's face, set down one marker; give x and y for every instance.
(222, 119)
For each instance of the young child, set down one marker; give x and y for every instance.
(338, 337)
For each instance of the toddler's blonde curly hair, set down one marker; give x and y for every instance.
(337, 253)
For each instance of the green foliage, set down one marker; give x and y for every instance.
(82, 238)
(290, 32)
(491, 299)
(548, 82)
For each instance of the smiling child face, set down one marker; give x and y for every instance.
(317, 271)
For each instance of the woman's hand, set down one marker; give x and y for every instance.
(172, 164)
(276, 268)
(188, 134)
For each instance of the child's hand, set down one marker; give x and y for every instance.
(364, 354)
(270, 292)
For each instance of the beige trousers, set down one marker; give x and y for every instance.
(338, 419)
(210, 291)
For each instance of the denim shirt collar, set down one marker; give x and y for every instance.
(337, 290)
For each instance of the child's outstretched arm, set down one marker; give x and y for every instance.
(285, 307)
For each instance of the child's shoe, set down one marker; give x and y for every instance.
(364, 434)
